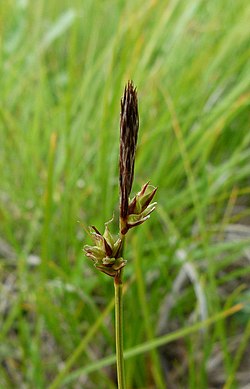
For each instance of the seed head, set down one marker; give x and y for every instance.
(140, 207)
(105, 253)
(129, 125)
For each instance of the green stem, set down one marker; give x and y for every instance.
(119, 330)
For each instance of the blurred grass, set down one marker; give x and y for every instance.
(63, 66)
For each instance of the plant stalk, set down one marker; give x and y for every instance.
(119, 330)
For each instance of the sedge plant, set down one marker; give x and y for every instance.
(107, 251)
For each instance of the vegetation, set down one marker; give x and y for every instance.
(64, 66)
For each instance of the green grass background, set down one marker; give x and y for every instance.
(63, 69)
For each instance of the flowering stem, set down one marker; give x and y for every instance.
(107, 253)
(119, 330)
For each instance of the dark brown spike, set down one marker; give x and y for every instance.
(129, 125)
